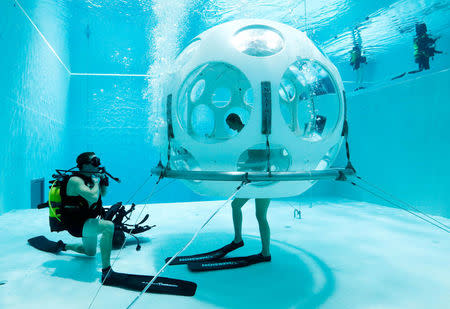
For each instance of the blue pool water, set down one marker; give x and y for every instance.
(51, 110)
(87, 75)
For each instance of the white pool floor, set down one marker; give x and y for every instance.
(340, 254)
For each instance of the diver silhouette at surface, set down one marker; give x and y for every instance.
(357, 58)
(424, 47)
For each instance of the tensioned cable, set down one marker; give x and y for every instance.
(186, 246)
(139, 189)
(62, 62)
(399, 206)
(123, 245)
(402, 202)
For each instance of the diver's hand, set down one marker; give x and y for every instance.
(95, 178)
(104, 180)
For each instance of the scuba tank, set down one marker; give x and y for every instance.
(117, 213)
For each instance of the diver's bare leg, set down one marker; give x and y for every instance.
(91, 229)
(261, 206)
(236, 206)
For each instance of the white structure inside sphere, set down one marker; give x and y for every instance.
(225, 80)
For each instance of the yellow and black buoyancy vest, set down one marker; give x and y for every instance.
(63, 207)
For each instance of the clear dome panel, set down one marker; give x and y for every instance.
(258, 40)
(309, 101)
(211, 105)
(259, 159)
(182, 160)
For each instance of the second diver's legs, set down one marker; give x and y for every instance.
(360, 73)
(261, 206)
(236, 207)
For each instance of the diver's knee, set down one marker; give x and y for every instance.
(261, 217)
(90, 251)
(109, 228)
(238, 203)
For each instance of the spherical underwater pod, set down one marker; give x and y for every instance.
(253, 96)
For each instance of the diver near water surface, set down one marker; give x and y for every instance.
(424, 47)
(357, 58)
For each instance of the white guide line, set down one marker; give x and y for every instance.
(42, 36)
(185, 247)
(62, 62)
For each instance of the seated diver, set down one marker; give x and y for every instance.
(424, 47)
(261, 204)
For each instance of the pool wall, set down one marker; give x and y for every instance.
(398, 131)
(33, 100)
(399, 141)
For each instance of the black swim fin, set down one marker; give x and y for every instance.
(161, 285)
(43, 244)
(398, 76)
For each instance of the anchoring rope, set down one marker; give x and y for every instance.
(403, 202)
(152, 192)
(187, 245)
(442, 226)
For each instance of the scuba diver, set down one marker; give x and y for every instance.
(424, 47)
(75, 205)
(356, 58)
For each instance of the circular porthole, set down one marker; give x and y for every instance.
(258, 41)
(309, 100)
(208, 95)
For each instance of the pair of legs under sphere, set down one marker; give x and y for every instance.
(91, 229)
(261, 206)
